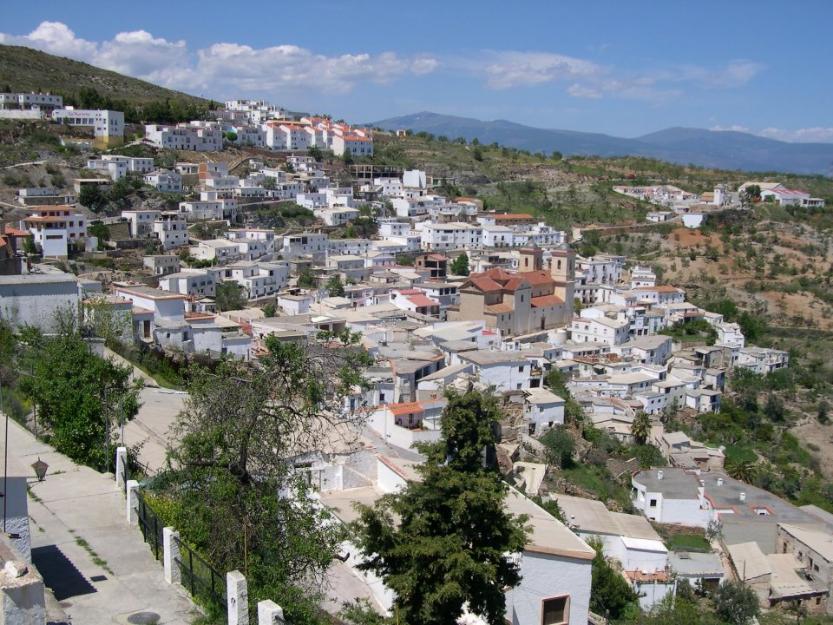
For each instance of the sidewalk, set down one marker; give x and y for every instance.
(98, 566)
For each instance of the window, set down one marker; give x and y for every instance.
(554, 611)
(653, 503)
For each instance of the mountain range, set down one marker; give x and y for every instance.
(697, 146)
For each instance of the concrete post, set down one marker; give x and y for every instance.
(121, 462)
(269, 613)
(132, 502)
(170, 555)
(237, 598)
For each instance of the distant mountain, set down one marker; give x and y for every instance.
(706, 148)
(25, 69)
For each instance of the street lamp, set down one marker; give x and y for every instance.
(40, 468)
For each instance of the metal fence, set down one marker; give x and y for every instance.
(201, 579)
(150, 525)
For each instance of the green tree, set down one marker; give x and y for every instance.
(92, 197)
(460, 265)
(610, 593)
(442, 544)
(742, 469)
(229, 295)
(560, 447)
(232, 488)
(822, 412)
(231, 137)
(81, 398)
(774, 408)
(735, 603)
(29, 246)
(101, 231)
(306, 280)
(641, 427)
(334, 286)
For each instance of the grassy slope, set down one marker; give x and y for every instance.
(569, 192)
(25, 69)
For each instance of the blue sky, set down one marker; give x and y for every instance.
(624, 68)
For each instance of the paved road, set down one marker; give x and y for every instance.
(150, 427)
(115, 575)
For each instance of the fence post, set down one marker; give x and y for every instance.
(170, 555)
(121, 464)
(269, 613)
(132, 501)
(237, 598)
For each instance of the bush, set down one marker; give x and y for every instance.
(560, 447)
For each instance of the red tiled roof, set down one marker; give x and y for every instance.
(499, 308)
(484, 283)
(422, 301)
(16, 232)
(545, 301)
(537, 278)
(513, 216)
(515, 283)
(47, 219)
(405, 408)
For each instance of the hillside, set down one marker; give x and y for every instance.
(705, 148)
(25, 69)
(565, 192)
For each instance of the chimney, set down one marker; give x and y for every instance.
(720, 481)
(742, 497)
(660, 475)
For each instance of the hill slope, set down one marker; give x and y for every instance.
(25, 69)
(706, 148)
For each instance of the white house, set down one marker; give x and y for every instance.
(304, 244)
(164, 180)
(193, 282)
(542, 409)
(627, 538)
(503, 370)
(353, 144)
(185, 137)
(37, 299)
(108, 126)
(161, 264)
(171, 229)
(221, 250)
(451, 236)
(598, 329)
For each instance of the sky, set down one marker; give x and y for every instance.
(621, 68)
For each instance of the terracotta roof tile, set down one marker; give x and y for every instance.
(545, 301)
(405, 408)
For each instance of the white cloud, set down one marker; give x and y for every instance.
(732, 128)
(228, 68)
(818, 134)
(504, 70)
(587, 79)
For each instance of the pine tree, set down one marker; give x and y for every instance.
(441, 545)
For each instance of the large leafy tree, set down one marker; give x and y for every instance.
(229, 295)
(234, 488)
(81, 398)
(735, 603)
(442, 544)
(460, 265)
(610, 593)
